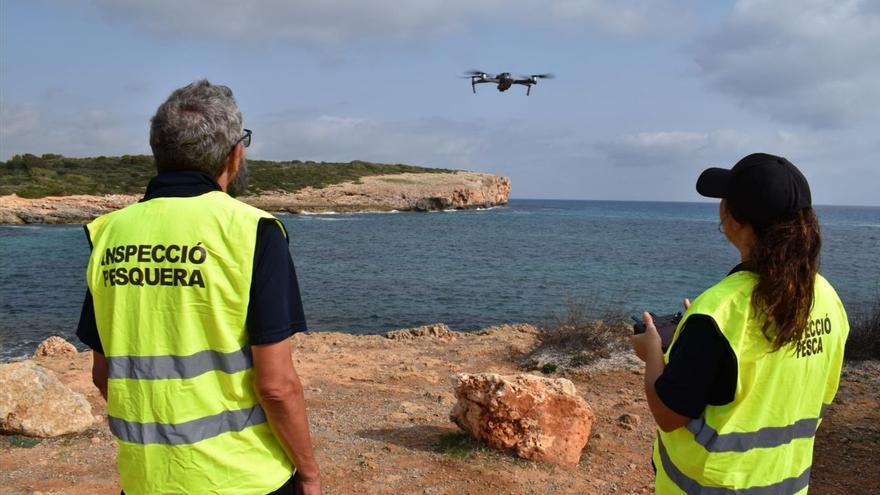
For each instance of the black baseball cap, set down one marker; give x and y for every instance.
(760, 188)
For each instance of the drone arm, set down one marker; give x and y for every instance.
(479, 80)
(528, 83)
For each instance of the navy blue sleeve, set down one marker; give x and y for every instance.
(87, 329)
(701, 371)
(275, 311)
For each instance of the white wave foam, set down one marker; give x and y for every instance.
(318, 213)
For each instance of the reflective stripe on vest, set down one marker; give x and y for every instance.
(690, 486)
(170, 280)
(762, 441)
(188, 432)
(767, 437)
(168, 367)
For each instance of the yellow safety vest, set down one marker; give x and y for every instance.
(762, 442)
(171, 278)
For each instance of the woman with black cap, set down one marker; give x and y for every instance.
(756, 359)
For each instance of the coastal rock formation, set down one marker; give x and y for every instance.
(60, 209)
(35, 403)
(55, 346)
(403, 192)
(544, 419)
(437, 330)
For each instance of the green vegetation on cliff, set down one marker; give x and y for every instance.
(32, 176)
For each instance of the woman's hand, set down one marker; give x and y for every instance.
(649, 349)
(647, 344)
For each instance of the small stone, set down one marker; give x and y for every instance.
(410, 408)
(95, 440)
(599, 436)
(398, 417)
(629, 421)
(55, 346)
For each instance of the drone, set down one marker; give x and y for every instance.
(504, 80)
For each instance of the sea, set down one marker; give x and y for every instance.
(367, 273)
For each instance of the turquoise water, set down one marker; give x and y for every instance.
(365, 273)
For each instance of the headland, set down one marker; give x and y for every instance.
(54, 189)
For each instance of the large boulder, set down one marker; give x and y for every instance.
(35, 403)
(55, 346)
(544, 419)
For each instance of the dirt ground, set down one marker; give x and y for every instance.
(379, 414)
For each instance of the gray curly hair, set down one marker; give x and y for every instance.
(195, 129)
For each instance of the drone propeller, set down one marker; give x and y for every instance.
(476, 73)
(542, 76)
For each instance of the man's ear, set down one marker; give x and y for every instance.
(233, 161)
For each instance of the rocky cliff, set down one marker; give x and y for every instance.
(404, 192)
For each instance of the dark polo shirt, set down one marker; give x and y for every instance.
(275, 309)
(702, 368)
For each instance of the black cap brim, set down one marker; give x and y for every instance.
(713, 182)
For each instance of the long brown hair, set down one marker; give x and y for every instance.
(786, 258)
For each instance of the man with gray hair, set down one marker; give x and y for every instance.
(192, 299)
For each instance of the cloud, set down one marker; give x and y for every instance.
(350, 21)
(810, 62)
(673, 149)
(623, 18)
(663, 165)
(28, 128)
(684, 150)
(17, 120)
(342, 138)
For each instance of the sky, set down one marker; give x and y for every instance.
(647, 93)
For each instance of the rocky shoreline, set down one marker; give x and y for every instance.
(382, 410)
(400, 192)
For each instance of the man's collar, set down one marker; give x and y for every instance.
(180, 184)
